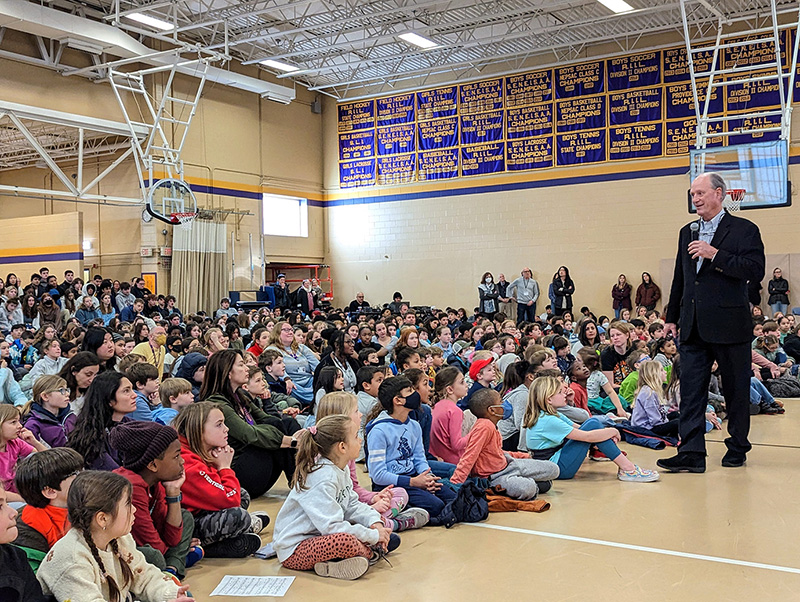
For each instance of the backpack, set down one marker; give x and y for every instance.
(469, 506)
(784, 386)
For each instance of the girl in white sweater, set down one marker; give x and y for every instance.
(322, 525)
(97, 559)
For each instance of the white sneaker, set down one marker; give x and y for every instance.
(258, 521)
(411, 518)
(638, 475)
(350, 568)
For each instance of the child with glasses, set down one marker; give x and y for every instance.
(49, 415)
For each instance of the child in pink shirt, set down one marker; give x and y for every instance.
(16, 442)
(447, 442)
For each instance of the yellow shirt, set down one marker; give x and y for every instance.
(152, 357)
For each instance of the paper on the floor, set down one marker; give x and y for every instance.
(266, 552)
(242, 585)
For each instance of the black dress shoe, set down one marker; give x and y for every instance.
(733, 459)
(684, 462)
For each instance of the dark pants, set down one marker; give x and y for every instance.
(434, 503)
(671, 428)
(511, 443)
(424, 416)
(173, 557)
(525, 312)
(734, 366)
(258, 469)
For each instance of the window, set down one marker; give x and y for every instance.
(285, 215)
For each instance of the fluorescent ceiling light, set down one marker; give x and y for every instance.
(151, 21)
(279, 66)
(417, 40)
(618, 6)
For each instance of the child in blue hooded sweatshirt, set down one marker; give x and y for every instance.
(395, 453)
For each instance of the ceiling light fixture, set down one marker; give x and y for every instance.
(279, 66)
(417, 40)
(151, 21)
(617, 6)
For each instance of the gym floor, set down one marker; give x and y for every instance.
(729, 534)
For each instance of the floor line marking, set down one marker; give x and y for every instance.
(625, 546)
(780, 445)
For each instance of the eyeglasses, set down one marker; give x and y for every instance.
(289, 329)
(63, 390)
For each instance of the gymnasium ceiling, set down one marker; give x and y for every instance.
(350, 48)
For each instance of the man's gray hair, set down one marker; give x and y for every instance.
(716, 181)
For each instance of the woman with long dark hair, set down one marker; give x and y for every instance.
(79, 372)
(100, 342)
(648, 293)
(109, 400)
(341, 357)
(264, 447)
(563, 289)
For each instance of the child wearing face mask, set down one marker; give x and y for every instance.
(522, 477)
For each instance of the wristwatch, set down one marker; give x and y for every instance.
(174, 500)
(293, 444)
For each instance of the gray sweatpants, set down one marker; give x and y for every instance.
(520, 476)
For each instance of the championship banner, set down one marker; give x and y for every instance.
(580, 80)
(357, 116)
(438, 164)
(634, 71)
(441, 102)
(480, 97)
(584, 113)
(524, 122)
(530, 153)
(396, 109)
(746, 96)
(357, 173)
(396, 139)
(676, 67)
(357, 145)
(529, 88)
(635, 106)
(399, 169)
(754, 123)
(441, 133)
(752, 55)
(635, 141)
(681, 136)
(483, 159)
(581, 148)
(680, 101)
(482, 128)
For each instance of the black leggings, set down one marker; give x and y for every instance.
(668, 429)
(258, 469)
(511, 443)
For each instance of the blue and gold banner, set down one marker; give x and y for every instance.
(635, 105)
(680, 101)
(635, 141)
(529, 88)
(441, 102)
(580, 80)
(357, 173)
(441, 133)
(584, 113)
(754, 54)
(681, 136)
(438, 164)
(530, 153)
(754, 123)
(482, 159)
(481, 97)
(357, 116)
(400, 169)
(676, 67)
(581, 148)
(396, 139)
(396, 109)
(356, 145)
(747, 96)
(524, 122)
(482, 128)
(634, 71)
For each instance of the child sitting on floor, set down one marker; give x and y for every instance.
(518, 474)
(175, 394)
(16, 442)
(482, 372)
(97, 559)
(144, 378)
(322, 525)
(50, 417)
(447, 440)
(271, 363)
(629, 385)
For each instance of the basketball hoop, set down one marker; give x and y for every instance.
(184, 220)
(736, 197)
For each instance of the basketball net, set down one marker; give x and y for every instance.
(733, 201)
(184, 220)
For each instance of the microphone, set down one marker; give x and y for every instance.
(695, 228)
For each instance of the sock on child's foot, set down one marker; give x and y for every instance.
(194, 556)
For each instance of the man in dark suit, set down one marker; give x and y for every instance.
(708, 302)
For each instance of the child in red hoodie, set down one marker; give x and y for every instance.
(211, 491)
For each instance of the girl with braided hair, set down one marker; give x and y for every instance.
(97, 559)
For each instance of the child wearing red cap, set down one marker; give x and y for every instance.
(482, 372)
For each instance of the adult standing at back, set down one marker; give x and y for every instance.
(648, 293)
(526, 291)
(504, 299)
(621, 295)
(563, 289)
(488, 296)
(778, 289)
(708, 302)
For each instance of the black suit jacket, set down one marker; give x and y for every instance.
(716, 296)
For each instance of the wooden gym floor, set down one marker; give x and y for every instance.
(729, 534)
